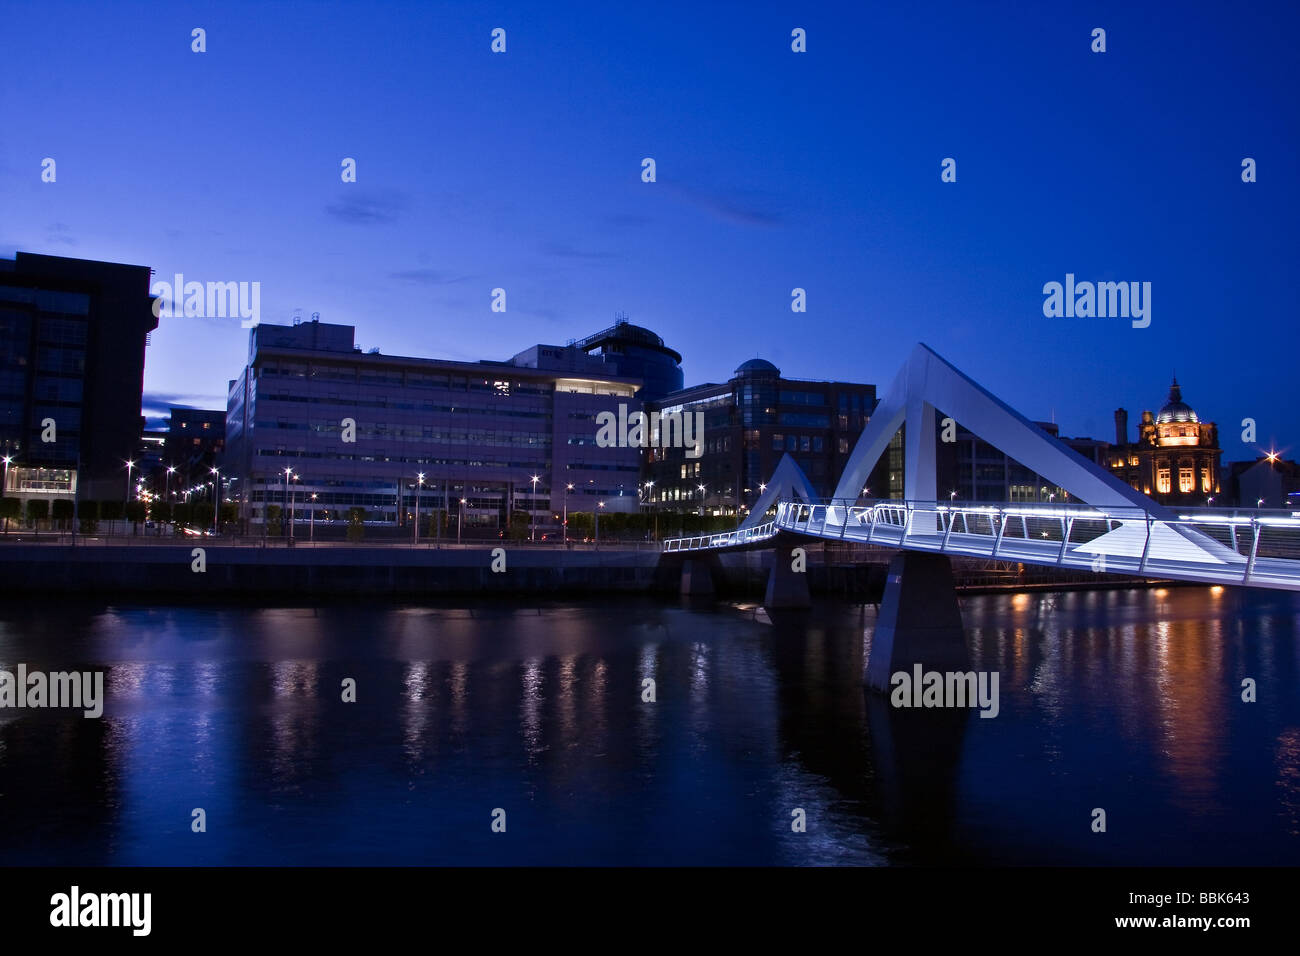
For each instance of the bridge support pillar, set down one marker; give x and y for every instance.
(786, 587)
(919, 621)
(697, 576)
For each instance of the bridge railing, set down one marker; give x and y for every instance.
(722, 539)
(1237, 545)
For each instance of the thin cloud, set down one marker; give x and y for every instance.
(427, 277)
(373, 209)
(745, 208)
(563, 250)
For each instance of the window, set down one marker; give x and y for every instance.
(818, 443)
(1162, 479)
(778, 442)
(1186, 481)
(805, 443)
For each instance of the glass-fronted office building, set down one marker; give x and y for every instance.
(314, 422)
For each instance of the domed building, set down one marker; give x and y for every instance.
(1175, 459)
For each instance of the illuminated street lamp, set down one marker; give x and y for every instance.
(311, 528)
(532, 508)
(287, 473)
(460, 517)
(597, 517)
(700, 489)
(654, 507)
(419, 479)
(127, 500)
(216, 498)
(567, 489)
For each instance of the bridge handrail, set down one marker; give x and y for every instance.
(1241, 545)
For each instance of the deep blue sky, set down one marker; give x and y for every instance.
(775, 170)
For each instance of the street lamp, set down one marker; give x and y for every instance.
(597, 516)
(419, 478)
(650, 486)
(532, 508)
(311, 530)
(127, 500)
(4, 486)
(567, 489)
(216, 498)
(460, 518)
(287, 473)
(700, 489)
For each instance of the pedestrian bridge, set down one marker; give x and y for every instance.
(1118, 530)
(1219, 546)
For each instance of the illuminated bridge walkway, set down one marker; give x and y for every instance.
(1253, 548)
(1118, 531)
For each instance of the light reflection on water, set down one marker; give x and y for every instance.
(1126, 700)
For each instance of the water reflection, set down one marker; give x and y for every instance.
(1130, 700)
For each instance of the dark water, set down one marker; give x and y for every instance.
(1124, 700)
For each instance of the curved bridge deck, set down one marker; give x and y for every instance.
(1215, 546)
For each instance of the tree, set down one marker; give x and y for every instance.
(38, 509)
(61, 511)
(161, 512)
(273, 520)
(580, 524)
(182, 513)
(518, 529)
(135, 512)
(356, 524)
(9, 508)
(110, 510)
(202, 515)
(88, 513)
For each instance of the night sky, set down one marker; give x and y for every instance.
(775, 169)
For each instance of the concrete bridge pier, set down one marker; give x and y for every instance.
(919, 620)
(697, 575)
(787, 588)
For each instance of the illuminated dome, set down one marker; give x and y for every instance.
(1176, 410)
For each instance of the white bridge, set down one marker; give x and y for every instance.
(1118, 531)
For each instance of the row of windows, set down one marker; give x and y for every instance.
(800, 443)
(366, 431)
(345, 405)
(803, 398)
(428, 460)
(380, 376)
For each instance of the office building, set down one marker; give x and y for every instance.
(72, 344)
(750, 422)
(313, 422)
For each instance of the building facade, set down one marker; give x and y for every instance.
(72, 345)
(750, 422)
(1175, 459)
(478, 441)
(970, 469)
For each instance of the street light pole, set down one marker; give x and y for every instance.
(460, 517)
(216, 499)
(127, 500)
(597, 517)
(284, 533)
(4, 487)
(311, 525)
(532, 509)
(419, 484)
(567, 489)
